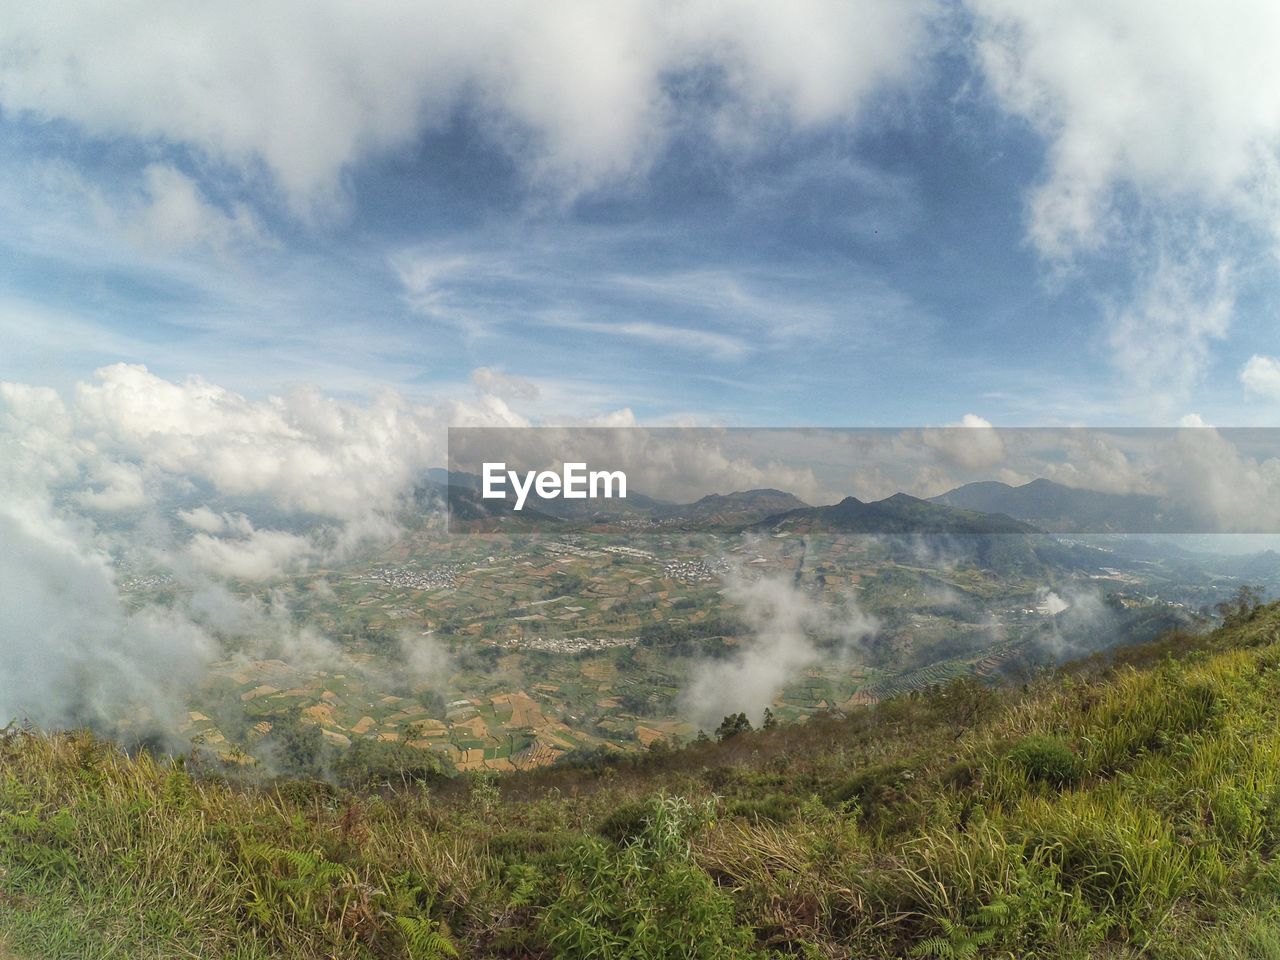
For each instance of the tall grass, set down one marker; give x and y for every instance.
(1125, 812)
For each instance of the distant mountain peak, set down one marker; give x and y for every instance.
(1057, 507)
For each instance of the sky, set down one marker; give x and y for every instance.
(859, 212)
(268, 252)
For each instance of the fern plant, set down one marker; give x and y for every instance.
(957, 942)
(425, 939)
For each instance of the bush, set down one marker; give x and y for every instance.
(778, 808)
(625, 822)
(372, 763)
(872, 786)
(1048, 760)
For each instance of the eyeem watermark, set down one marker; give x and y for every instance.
(575, 482)
(905, 481)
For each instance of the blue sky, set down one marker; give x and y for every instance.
(855, 213)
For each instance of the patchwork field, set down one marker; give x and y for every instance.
(508, 652)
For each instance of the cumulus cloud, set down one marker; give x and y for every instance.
(117, 486)
(1096, 460)
(254, 555)
(307, 451)
(1224, 487)
(975, 444)
(130, 440)
(580, 93)
(203, 519)
(1261, 376)
(332, 472)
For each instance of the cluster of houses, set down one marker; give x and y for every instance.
(148, 582)
(415, 578)
(569, 644)
(696, 571)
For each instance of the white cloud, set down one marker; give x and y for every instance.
(228, 545)
(1172, 100)
(203, 519)
(779, 314)
(116, 486)
(1221, 485)
(130, 439)
(72, 652)
(1095, 460)
(257, 555)
(1261, 376)
(972, 443)
(307, 451)
(174, 213)
(504, 385)
(579, 92)
(784, 624)
(1161, 340)
(1161, 118)
(432, 287)
(720, 346)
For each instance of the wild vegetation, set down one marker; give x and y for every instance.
(1126, 806)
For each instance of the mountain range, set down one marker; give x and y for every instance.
(1058, 508)
(983, 507)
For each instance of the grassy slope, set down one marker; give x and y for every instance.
(1120, 811)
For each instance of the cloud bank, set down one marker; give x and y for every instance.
(88, 487)
(581, 94)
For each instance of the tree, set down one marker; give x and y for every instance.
(294, 746)
(1241, 605)
(732, 725)
(770, 721)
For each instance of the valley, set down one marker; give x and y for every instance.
(511, 651)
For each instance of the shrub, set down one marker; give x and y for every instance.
(1048, 760)
(871, 786)
(625, 822)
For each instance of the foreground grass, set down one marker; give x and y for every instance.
(1117, 811)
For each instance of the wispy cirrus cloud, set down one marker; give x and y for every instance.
(691, 339)
(727, 297)
(1161, 339)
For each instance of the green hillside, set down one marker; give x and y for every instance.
(1114, 809)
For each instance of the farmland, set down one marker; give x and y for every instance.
(528, 648)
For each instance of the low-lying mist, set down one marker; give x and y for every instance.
(788, 631)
